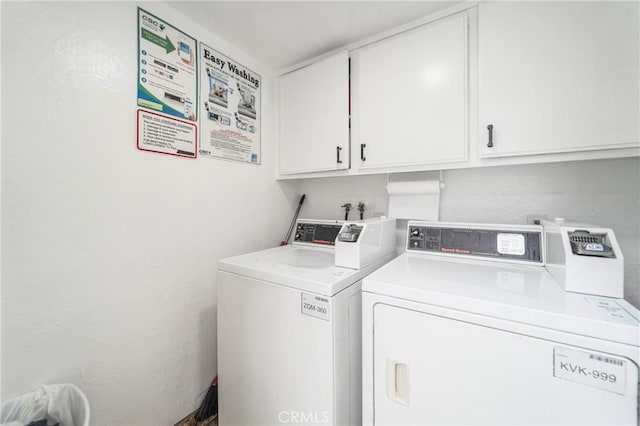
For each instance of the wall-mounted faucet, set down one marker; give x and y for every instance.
(347, 209)
(362, 205)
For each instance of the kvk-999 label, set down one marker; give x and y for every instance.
(593, 369)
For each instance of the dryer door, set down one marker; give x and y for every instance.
(431, 369)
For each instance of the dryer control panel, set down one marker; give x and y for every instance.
(322, 233)
(500, 242)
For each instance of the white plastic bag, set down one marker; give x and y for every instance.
(64, 404)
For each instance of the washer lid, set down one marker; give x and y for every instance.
(305, 268)
(521, 293)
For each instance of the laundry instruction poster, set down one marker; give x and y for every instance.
(230, 101)
(167, 85)
(164, 134)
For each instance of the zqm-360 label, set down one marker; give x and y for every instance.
(316, 306)
(591, 369)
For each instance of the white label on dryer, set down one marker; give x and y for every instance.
(593, 369)
(511, 244)
(316, 306)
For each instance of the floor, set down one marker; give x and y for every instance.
(191, 421)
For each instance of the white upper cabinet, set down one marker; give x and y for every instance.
(558, 76)
(314, 117)
(409, 98)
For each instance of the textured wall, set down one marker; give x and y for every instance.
(109, 254)
(599, 192)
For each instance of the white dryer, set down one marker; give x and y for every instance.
(468, 327)
(289, 349)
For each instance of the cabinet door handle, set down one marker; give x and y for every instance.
(362, 157)
(338, 149)
(490, 129)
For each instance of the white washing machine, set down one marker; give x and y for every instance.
(469, 327)
(289, 349)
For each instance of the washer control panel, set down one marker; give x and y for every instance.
(523, 244)
(318, 233)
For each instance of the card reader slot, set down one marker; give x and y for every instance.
(585, 243)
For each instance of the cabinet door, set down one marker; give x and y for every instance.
(314, 117)
(410, 102)
(558, 76)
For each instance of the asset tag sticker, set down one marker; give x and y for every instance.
(591, 369)
(315, 306)
(511, 244)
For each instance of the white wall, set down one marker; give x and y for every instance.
(599, 192)
(109, 253)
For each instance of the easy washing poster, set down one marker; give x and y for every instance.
(167, 86)
(230, 101)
